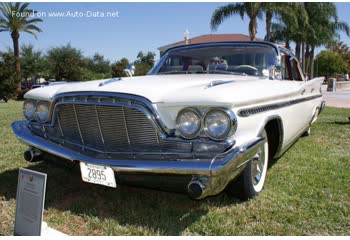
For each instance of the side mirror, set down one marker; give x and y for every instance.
(130, 70)
(273, 72)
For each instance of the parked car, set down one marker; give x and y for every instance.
(207, 117)
(4, 99)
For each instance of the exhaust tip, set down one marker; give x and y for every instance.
(28, 155)
(195, 189)
(32, 155)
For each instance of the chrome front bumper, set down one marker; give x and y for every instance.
(213, 175)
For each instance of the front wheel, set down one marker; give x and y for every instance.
(251, 181)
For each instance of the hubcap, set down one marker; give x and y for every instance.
(258, 163)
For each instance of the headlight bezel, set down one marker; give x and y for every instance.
(232, 123)
(198, 131)
(32, 117)
(37, 113)
(203, 113)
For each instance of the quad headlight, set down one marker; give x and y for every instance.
(218, 124)
(42, 111)
(29, 108)
(188, 123)
(36, 110)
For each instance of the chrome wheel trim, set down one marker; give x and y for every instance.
(259, 168)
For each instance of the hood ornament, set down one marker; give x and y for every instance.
(218, 82)
(112, 80)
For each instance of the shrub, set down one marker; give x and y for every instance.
(330, 63)
(8, 83)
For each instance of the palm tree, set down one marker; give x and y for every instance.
(292, 22)
(275, 9)
(324, 27)
(253, 10)
(17, 18)
(315, 25)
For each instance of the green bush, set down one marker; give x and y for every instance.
(330, 63)
(66, 63)
(144, 63)
(119, 66)
(8, 82)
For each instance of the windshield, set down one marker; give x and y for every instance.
(237, 59)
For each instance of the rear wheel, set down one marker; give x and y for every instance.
(307, 132)
(251, 181)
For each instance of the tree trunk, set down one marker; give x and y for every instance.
(312, 62)
(297, 50)
(268, 26)
(307, 60)
(15, 38)
(287, 44)
(303, 56)
(252, 28)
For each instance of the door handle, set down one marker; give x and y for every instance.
(302, 92)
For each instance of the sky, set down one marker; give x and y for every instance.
(138, 27)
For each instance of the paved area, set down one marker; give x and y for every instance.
(339, 99)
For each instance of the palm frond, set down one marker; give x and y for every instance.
(342, 26)
(31, 32)
(32, 27)
(34, 20)
(18, 22)
(23, 7)
(221, 13)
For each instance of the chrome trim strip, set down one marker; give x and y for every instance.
(99, 128)
(127, 131)
(264, 108)
(76, 119)
(59, 125)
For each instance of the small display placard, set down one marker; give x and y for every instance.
(30, 199)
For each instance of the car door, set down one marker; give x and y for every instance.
(299, 112)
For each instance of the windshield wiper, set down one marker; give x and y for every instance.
(173, 72)
(227, 72)
(202, 72)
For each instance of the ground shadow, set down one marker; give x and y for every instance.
(167, 213)
(342, 123)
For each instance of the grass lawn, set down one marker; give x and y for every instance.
(307, 192)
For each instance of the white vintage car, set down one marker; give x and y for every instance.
(207, 117)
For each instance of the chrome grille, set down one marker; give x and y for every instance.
(107, 128)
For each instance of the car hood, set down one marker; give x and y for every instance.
(181, 88)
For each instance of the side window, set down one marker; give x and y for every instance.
(295, 70)
(286, 68)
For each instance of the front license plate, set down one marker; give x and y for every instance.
(97, 174)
